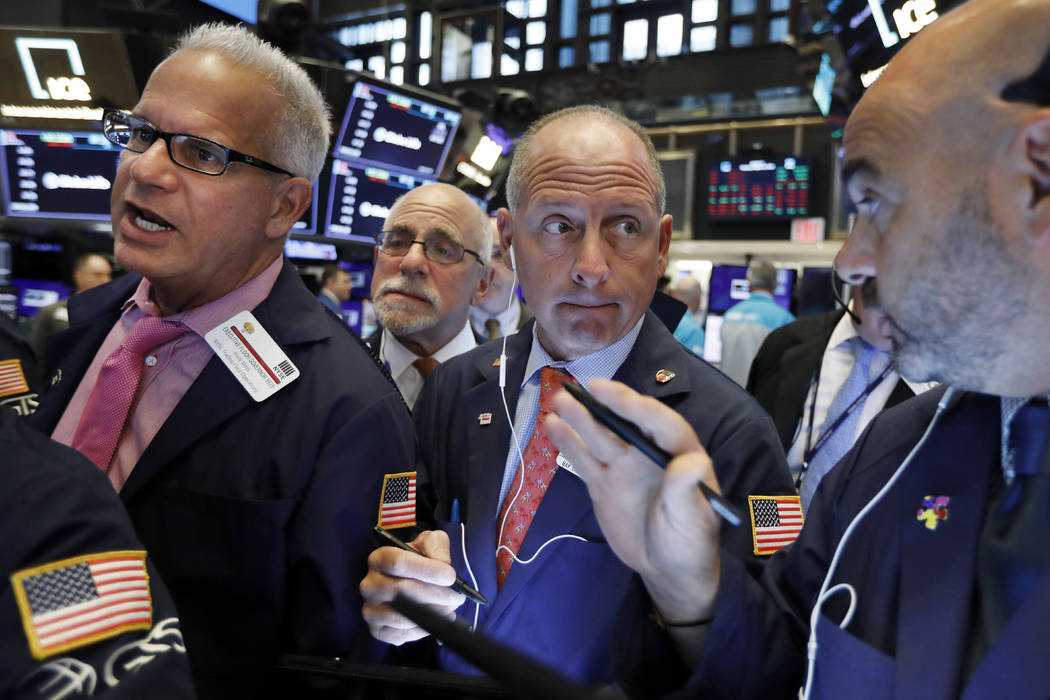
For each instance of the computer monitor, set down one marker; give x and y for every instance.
(34, 295)
(758, 189)
(57, 174)
(360, 198)
(679, 168)
(298, 249)
(397, 128)
(729, 286)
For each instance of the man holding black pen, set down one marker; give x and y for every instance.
(924, 569)
(585, 233)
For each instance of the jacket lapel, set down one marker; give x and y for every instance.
(292, 317)
(934, 620)
(92, 315)
(488, 450)
(567, 504)
(1016, 665)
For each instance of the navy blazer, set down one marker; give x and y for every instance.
(258, 515)
(783, 370)
(560, 609)
(910, 636)
(56, 505)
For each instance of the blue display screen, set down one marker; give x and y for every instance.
(394, 129)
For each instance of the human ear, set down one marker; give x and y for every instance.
(506, 235)
(483, 285)
(290, 199)
(1029, 156)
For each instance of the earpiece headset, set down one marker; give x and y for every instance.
(521, 458)
(825, 592)
(839, 295)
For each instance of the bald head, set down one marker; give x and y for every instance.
(421, 299)
(583, 118)
(947, 159)
(471, 220)
(687, 291)
(974, 62)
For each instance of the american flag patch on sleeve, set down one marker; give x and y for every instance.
(775, 521)
(12, 378)
(74, 602)
(397, 505)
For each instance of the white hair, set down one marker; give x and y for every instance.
(300, 131)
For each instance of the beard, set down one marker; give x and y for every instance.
(406, 318)
(957, 307)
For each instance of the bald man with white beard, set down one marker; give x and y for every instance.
(422, 294)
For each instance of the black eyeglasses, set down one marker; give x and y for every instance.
(439, 249)
(191, 152)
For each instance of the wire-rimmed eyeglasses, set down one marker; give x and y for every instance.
(439, 249)
(191, 152)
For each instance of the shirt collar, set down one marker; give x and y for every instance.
(398, 357)
(202, 319)
(508, 318)
(598, 365)
(843, 335)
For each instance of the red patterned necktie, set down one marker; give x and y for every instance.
(539, 467)
(107, 407)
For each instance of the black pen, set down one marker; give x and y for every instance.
(633, 435)
(460, 586)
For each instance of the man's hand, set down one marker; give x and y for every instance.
(424, 577)
(657, 522)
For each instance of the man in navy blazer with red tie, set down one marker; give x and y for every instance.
(584, 232)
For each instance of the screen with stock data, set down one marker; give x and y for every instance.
(758, 188)
(396, 129)
(360, 198)
(57, 174)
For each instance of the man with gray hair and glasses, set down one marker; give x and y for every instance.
(422, 294)
(223, 402)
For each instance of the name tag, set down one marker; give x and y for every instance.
(252, 356)
(565, 464)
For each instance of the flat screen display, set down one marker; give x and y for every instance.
(57, 174)
(758, 189)
(394, 128)
(309, 250)
(729, 286)
(360, 198)
(872, 32)
(34, 295)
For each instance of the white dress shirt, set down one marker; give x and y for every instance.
(508, 319)
(399, 360)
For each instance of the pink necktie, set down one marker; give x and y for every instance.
(107, 407)
(539, 467)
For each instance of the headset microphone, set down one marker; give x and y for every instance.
(835, 279)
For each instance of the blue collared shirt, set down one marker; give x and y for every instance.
(599, 365)
(1010, 405)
